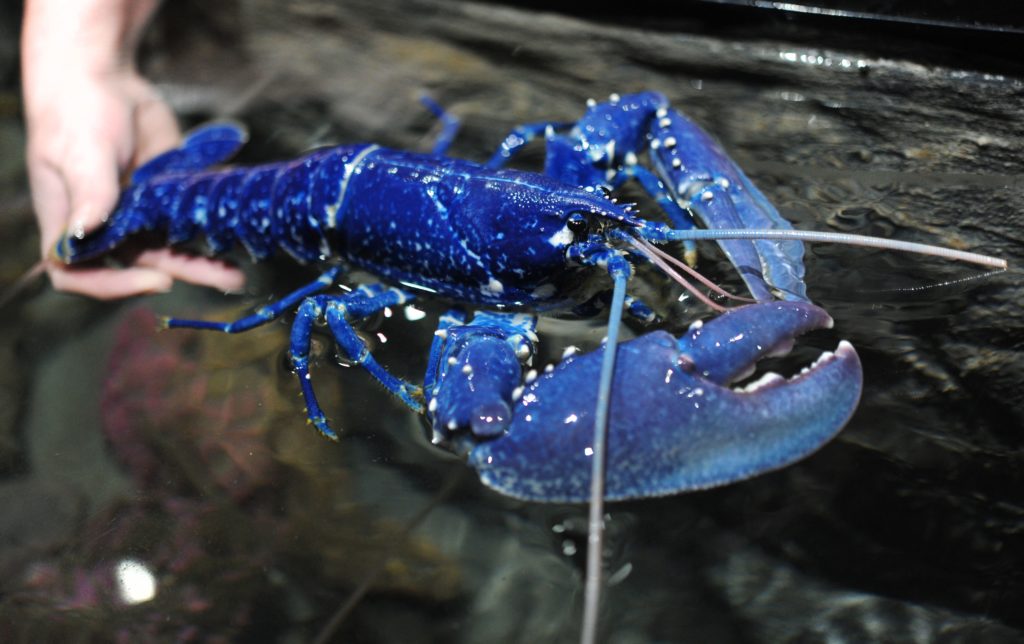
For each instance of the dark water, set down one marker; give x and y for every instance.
(185, 456)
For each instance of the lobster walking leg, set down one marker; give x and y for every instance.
(449, 126)
(518, 138)
(264, 314)
(340, 311)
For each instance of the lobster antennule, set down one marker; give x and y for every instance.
(666, 262)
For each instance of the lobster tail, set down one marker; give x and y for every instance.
(157, 194)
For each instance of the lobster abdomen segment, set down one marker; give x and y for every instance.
(265, 207)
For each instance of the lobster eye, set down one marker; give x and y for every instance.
(578, 225)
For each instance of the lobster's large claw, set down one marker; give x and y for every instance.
(675, 424)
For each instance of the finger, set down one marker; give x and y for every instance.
(156, 130)
(91, 176)
(203, 271)
(108, 284)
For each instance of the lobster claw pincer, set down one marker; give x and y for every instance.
(675, 424)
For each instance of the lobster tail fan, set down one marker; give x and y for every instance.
(203, 147)
(141, 203)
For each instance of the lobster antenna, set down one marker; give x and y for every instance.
(595, 528)
(933, 287)
(669, 234)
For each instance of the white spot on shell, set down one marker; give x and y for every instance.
(562, 238)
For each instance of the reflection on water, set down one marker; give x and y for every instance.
(165, 486)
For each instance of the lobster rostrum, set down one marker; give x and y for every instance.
(508, 245)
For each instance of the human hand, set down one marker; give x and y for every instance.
(90, 118)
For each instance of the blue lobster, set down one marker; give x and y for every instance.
(510, 245)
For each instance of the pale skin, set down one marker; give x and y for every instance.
(91, 119)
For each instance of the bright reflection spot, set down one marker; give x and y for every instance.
(135, 582)
(383, 338)
(620, 575)
(571, 418)
(588, 451)
(568, 547)
(414, 314)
